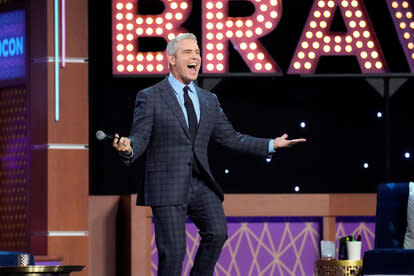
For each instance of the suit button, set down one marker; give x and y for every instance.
(189, 164)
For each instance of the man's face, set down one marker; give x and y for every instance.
(186, 63)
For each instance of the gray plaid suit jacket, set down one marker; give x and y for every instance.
(160, 129)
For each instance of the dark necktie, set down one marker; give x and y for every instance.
(192, 117)
(192, 124)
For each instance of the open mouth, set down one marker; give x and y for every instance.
(192, 67)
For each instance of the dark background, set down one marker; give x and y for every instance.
(340, 111)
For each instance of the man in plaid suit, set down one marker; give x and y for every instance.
(173, 123)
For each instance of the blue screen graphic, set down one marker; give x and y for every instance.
(12, 45)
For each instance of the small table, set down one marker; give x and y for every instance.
(39, 270)
(338, 267)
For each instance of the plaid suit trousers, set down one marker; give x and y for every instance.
(204, 208)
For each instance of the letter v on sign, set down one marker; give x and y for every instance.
(402, 16)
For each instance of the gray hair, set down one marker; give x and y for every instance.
(172, 45)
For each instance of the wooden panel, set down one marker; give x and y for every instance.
(329, 233)
(59, 177)
(300, 204)
(73, 126)
(141, 233)
(74, 251)
(45, 258)
(77, 28)
(276, 204)
(103, 212)
(353, 204)
(68, 185)
(135, 225)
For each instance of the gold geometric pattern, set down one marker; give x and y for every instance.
(366, 230)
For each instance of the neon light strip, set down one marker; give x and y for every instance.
(61, 146)
(56, 60)
(63, 34)
(67, 233)
(68, 60)
(68, 146)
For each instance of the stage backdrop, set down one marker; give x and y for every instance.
(338, 73)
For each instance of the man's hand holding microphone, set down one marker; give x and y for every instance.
(122, 144)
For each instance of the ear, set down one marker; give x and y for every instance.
(171, 60)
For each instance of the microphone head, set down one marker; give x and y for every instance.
(100, 135)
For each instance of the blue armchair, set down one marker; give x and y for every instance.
(389, 257)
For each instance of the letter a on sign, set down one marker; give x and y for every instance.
(359, 40)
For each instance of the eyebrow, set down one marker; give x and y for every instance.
(187, 50)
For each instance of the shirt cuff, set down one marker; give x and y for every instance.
(271, 150)
(126, 155)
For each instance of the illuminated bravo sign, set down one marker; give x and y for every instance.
(218, 29)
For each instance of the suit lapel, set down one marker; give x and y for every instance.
(203, 109)
(167, 92)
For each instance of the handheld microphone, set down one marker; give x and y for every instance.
(100, 135)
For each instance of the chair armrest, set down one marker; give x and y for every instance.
(389, 261)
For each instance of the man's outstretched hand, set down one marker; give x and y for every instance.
(282, 142)
(122, 144)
